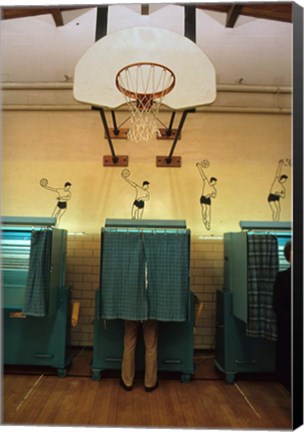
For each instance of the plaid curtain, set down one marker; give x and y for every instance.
(144, 275)
(36, 294)
(123, 276)
(263, 265)
(167, 258)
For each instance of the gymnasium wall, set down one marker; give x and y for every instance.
(242, 149)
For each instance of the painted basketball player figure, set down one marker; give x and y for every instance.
(277, 191)
(64, 195)
(208, 192)
(142, 195)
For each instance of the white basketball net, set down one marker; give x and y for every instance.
(143, 121)
(144, 86)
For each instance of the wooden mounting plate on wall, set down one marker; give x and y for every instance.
(162, 161)
(121, 161)
(123, 132)
(163, 134)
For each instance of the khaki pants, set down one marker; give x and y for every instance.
(150, 335)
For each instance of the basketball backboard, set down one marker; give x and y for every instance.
(95, 72)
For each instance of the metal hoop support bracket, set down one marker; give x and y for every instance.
(113, 159)
(169, 161)
(119, 132)
(169, 132)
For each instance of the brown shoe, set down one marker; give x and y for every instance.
(124, 386)
(150, 389)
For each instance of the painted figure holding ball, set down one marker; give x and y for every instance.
(142, 195)
(64, 195)
(208, 192)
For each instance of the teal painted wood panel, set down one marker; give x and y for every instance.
(235, 252)
(175, 344)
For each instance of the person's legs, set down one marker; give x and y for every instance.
(128, 360)
(150, 333)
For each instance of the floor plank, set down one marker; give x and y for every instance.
(50, 400)
(37, 396)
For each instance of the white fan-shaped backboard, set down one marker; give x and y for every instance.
(95, 72)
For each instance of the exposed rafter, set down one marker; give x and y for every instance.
(233, 14)
(23, 12)
(57, 16)
(145, 9)
(271, 11)
(277, 11)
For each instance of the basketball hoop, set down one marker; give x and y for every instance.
(144, 86)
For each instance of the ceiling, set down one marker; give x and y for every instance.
(272, 11)
(249, 43)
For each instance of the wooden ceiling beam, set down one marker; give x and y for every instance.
(277, 12)
(23, 12)
(20, 12)
(269, 10)
(11, 13)
(233, 14)
(57, 17)
(145, 9)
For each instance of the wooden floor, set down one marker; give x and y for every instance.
(206, 402)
